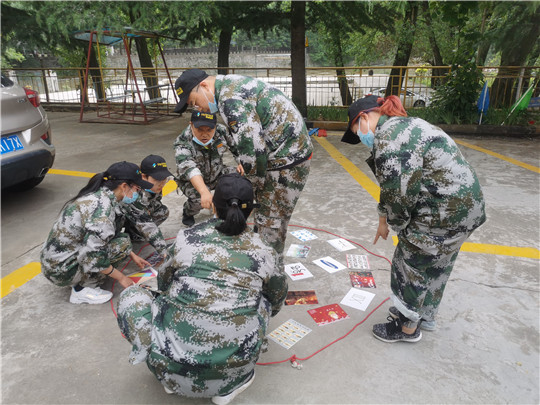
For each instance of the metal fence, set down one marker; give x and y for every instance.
(63, 86)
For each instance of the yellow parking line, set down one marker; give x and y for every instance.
(374, 191)
(71, 173)
(498, 155)
(19, 277)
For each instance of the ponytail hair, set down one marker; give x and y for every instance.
(391, 106)
(94, 184)
(234, 218)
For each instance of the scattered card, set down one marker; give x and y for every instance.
(289, 333)
(329, 264)
(304, 235)
(144, 275)
(362, 279)
(155, 259)
(298, 250)
(341, 244)
(328, 314)
(301, 298)
(357, 262)
(297, 271)
(358, 299)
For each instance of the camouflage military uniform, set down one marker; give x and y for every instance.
(432, 198)
(193, 159)
(143, 218)
(84, 241)
(270, 138)
(203, 335)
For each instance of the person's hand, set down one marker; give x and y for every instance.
(126, 281)
(382, 230)
(240, 169)
(139, 261)
(206, 200)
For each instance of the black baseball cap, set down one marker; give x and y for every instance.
(232, 187)
(202, 119)
(155, 166)
(363, 104)
(128, 172)
(184, 84)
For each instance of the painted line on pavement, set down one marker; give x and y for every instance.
(19, 277)
(374, 190)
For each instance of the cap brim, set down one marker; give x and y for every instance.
(160, 174)
(143, 184)
(198, 124)
(350, 137)
(181, 106)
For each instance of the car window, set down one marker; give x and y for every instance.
(6, 82)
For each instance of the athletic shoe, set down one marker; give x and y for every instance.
(90, 296)
(424, 325)
(226, 399)
(188, 220)
(168, 391)
(391, 332)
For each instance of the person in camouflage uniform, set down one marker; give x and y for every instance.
(202, 335)
(199, 151)
(267, 134)
(85, 243)
(144, 216)
(430, 195)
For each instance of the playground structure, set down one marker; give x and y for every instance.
(124, 100)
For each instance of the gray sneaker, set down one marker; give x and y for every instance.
(391, 332)
(430, 326)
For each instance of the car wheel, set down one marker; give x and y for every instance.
(419, 103)
(27, 184)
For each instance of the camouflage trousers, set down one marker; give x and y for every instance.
(277, 200)
(193, 204)
(136, 310)
(71, 273)
(421, 266)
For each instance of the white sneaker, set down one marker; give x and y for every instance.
(90, 296)
(168, 391)
(226, 399)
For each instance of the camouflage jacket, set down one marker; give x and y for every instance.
(425, 180)
(81, 234)
(143, 214)
(196, 160)
(267, 130)
(219, 292)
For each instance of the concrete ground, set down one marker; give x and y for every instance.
(486, 349)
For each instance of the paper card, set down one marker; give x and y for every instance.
(155, 259)
(329, 264)
(341, 244)
(304, 235)
(357, 262)
(359, 299)
(297, 271)
(301, 298)
(289, 333)
(362, 279)
(328, 314)
(298, 250)
(143, 275)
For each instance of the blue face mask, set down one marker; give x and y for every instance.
(368, 138)
(132, 199)
(212, 106)
(150, 191)
(201, 143)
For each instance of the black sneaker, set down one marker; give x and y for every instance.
(424, 325)
(188, 220)
(391, 332)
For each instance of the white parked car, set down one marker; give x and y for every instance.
(412, 98)
(27, 152)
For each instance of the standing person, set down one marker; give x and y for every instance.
(268, 135)
(202, 335)
(85, 244)
(144, 216)
(199, 151)
(430, 195)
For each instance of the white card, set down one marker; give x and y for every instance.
(341, 244)
(329, 264)
(357, 262)
(298, 250)
(297, 271)
(359, 299)
(304, 235)
(289, 333)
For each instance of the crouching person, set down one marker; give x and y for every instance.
(85, 244)
(202, 335)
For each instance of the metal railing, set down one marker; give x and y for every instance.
(324, 86)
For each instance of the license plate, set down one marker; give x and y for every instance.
(11, 143)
